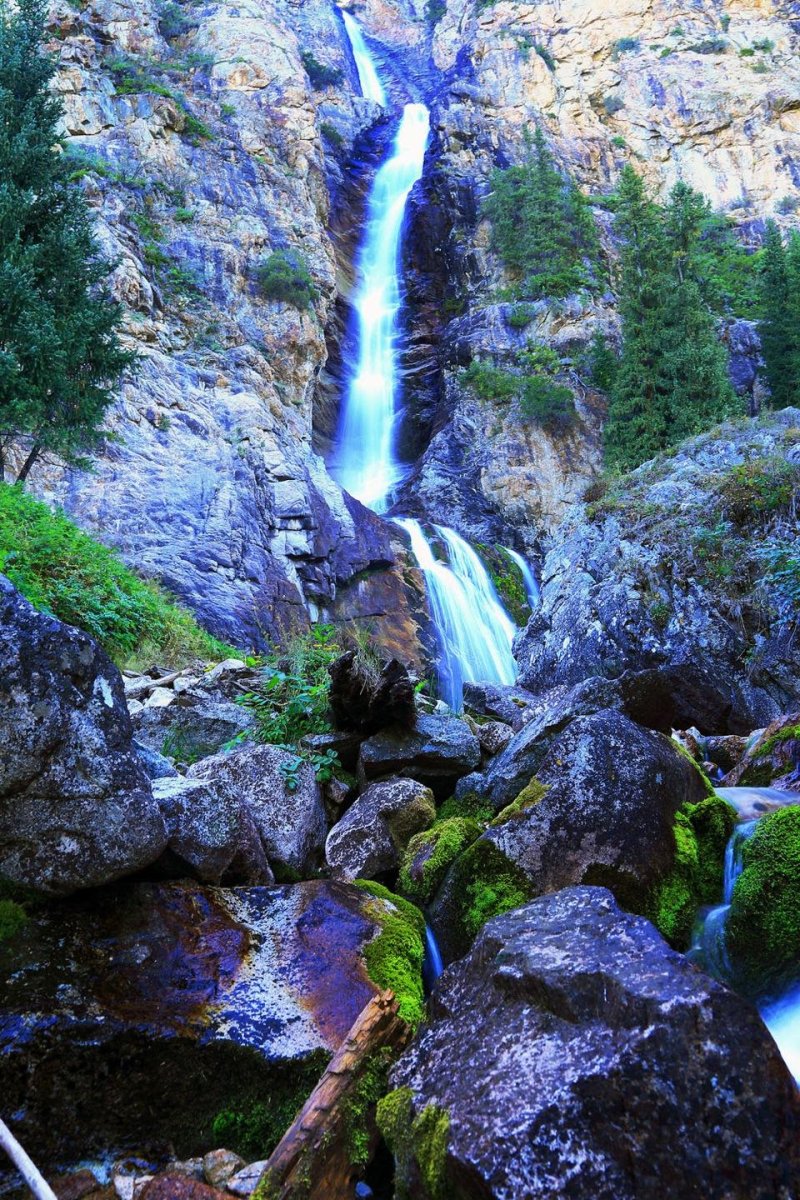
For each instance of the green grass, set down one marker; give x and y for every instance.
(63, 571)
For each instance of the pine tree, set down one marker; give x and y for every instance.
(59, 353)
(780, 299)
(672, 380)
(541, 225)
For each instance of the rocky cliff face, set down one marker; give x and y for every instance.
(204, 146)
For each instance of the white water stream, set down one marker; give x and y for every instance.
(528, 578)
(474, 631)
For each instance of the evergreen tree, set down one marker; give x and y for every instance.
(59, 353)
(780, 300)
(541, 225)
(672, 379)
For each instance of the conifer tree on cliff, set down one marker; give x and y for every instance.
(780, 310)
(672, 379)
(59, 352)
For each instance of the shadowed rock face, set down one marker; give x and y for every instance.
(577, 1056)
(132, 1016)
(76, 809)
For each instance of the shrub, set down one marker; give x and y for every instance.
(613, 105)
(292, 699)
(435, 10)
(520, 316)
(321, 76)
(714, 45)
(490, 382)
(768, 485)
(173, 21)
(65, 572)
(787, 204)
(331, 134)
(545, 56)
(627, 45)
(283, 275)
(550, 404)
(765, 45)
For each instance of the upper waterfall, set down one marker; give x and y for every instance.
(371, 86)
(365, 464)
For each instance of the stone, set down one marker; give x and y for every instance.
(243, 1183)
(156, 765)
(76, 806)
(437, 752)
(178, 1187)
(212, 832)
(75, 1186)
(503, 702)
(343, 743)
(249, 990)
(159, 697)
(290, 820)
(220, 1165)
(773, 760)
(369, 840)
(197, 724)
(367, 700)
(571, 1054)
(494, 736)
(600, 807)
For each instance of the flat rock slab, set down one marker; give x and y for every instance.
(131, 1018)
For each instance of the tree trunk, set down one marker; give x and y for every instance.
(29, 462)
(313, 1160)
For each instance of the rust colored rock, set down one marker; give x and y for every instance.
(178, 1187)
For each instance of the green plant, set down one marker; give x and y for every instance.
(321, 76)
(612, 105)
(184, 216)
(490, 382)
(332, 135)
(253, 1127)
(618, 141)
(545, 56)
(435, 10)
(419, 1141)
(12, 918)
(394, 958)
(541, 226)
(725, 22)
(712, 45)
(520, 316)
(292, 699)
(746, 52)
(550, 404)
(173, 21)
(60, 354)
(430, 853)
(626, 45)
(284, 276)
(226, 110)
(765, 45)
(65, 572)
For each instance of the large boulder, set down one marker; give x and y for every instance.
(574, 1054)
(153, 1016)
(436, 752)
(195, 724)
(610, 803)
(76, 809)
(211, 832)
(370, 838)
(281, 794)
(625, 593)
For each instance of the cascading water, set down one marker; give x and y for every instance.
(781, 1016)
(475, 634)
(371, 86)
(528, 578)
(365, 463)
(474, 631)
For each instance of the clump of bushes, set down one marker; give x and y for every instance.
(63, 571)
(321, 76)
(284, 275)
(292, 700)
(542, 398)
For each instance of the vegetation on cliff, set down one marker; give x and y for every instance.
(60, 355)
(672, 377)
(67, 573)
(779, 327)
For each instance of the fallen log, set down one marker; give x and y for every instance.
(35, 1180)
(317, 1157)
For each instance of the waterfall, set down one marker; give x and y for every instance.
(365, 463)
(528, 578)
(474, 631)
(432, 965)
(781, 1016)
(475, 634)
(371, 86)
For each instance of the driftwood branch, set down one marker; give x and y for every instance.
(35, 1181)
(134, 690)
(312, 1159)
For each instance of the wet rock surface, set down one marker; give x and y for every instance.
(573, 1052)
(130, 1018)
(773, 759)
(76, 808)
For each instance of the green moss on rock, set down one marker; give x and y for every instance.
(430, 854)
(483, 884)
(763, 928)
(508, 581)
(418, 1144)
(12, 918)
(359, 1116)
(394, 958)
(530, 795)
(701, 833)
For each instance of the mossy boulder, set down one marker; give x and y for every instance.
(611, 803)
(773, 760)
(762, 934)
(429, 855)
(369, 840)
(394, 958)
